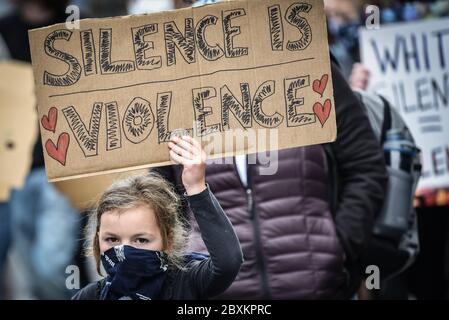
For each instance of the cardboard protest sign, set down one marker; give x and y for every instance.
(18, 124)
(111, 93)
(409, 64)
(83, 193)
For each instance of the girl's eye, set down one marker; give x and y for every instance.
(142, 240)
(111, 240)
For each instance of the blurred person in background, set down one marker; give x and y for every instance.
(44, 226)
(407, 11)
(25, 15)
(428, 277)
(345, 17)
(343, 21)
(5, 7)
(391, 252)
(4, 52)
(105, 8)
(182, 3)
(5, 240)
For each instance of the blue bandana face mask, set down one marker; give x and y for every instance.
(133, 274)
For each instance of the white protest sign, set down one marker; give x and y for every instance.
(409, 65)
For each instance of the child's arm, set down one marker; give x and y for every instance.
(214, 275)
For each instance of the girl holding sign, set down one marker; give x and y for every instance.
(140, 238)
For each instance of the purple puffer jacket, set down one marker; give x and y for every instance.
(285, 228)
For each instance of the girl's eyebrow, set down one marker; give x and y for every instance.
(142, 234)
(110, 234)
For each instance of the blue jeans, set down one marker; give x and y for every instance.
(45, 232)
(5, 238)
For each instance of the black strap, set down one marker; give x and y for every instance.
(333, 176)
(386, 125)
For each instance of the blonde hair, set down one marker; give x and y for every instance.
(155, 192)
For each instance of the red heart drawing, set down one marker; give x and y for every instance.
(322, 111)
(58, 153)
(320, 85)
(49, 122)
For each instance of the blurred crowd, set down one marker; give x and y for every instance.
(345, 17)
(41, 232)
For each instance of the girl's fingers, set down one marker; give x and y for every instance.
(192, 141)
(188, 148)
(177, 158)
(198, 152)
(200, 155)
(186, 145)
(180, 151)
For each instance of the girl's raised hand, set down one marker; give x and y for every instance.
(189, 153)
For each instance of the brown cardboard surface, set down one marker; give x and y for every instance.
(83, 193)
(18, 124)
(110, 93)
(5, 192)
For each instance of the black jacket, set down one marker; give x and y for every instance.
(361, 169)
(200, 279)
